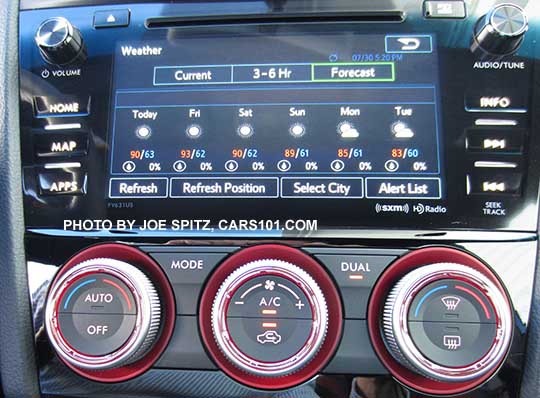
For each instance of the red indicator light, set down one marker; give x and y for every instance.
(484, 307)
(116, 285)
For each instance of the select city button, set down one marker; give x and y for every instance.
(403, 188)
(121, 188)
(96, 334)
(232, 187)
(348, 188)
(66, 106)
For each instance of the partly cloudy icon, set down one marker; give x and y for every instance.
(401, 130)
(347, 130)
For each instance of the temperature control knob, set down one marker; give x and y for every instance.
(102, 314)
(447, 322)
(271, 317)
(500, 32)
(59, 42)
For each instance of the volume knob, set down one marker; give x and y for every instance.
(500, 32)
(59, 42)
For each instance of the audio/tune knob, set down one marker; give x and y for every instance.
(102, 314)
(501, 31)
(59, 42)
(447, 322)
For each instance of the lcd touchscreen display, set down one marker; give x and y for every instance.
(330, 116)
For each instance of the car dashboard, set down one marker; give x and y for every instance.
(270, 198)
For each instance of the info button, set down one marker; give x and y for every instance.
(347, 188)
(122, 188)
(403, 188)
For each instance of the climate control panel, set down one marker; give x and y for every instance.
(272, 316)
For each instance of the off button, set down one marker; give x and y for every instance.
(96, 335)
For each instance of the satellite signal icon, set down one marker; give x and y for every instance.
(451, 302)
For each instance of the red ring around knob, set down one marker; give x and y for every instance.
(388, 279)
(137, 258)
(317, 272)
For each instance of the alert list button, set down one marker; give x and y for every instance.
(349, 188)
(403, 188)
(122, 188)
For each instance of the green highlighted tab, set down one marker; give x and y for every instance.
(353, 72)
